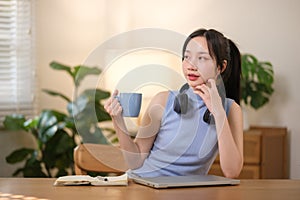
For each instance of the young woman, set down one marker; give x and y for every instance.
(182, 132)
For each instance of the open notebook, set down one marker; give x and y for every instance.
(185, 181)
(88, 180)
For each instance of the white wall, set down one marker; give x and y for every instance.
(67, 31)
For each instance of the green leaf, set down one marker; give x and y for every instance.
(101, 139)
(87, 107)
(70, 123)
(49, 123)
(47, 126)
(93, 136)
(33, 168)
(257, 81)
(101, 113)
(80, 72)
(31, 123)
(58, 66)
(52, 93)
(18, 171)
(19, 155)
(64, 161)
(258, 100)
(96, 94)
(58, 151)
(60, 143)
(14, 122)
(61, 172)
(74, 108)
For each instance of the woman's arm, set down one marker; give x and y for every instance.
(230, 141)
(150, 125)
(135, 151)
(229, 129)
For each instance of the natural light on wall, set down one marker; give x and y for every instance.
(120, 72)
(147, 71)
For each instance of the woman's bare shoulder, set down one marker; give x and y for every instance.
(160, 98)
(235, 116)
(235, 107)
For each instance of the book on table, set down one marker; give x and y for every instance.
(89, 180)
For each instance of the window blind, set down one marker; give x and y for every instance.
(17, 61)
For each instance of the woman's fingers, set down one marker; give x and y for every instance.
(115, 93)
(206, 92)
(212, 83)
(202, 89)
(109, 101)
(112, 105)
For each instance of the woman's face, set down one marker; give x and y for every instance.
(198, 66)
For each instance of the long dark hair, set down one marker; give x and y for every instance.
(220, 48)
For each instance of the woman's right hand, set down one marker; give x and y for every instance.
(112, 106)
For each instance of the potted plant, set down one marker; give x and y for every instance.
(256, 83)
(57, 133)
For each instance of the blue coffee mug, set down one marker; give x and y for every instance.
(131, 104)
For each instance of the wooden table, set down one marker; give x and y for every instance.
(41, 188)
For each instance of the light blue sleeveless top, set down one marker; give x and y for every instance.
(185, 144)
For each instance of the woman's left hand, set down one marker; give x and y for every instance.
(210, 95)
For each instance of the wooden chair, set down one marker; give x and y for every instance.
(98, 158)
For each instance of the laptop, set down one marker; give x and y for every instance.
(185, 181)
